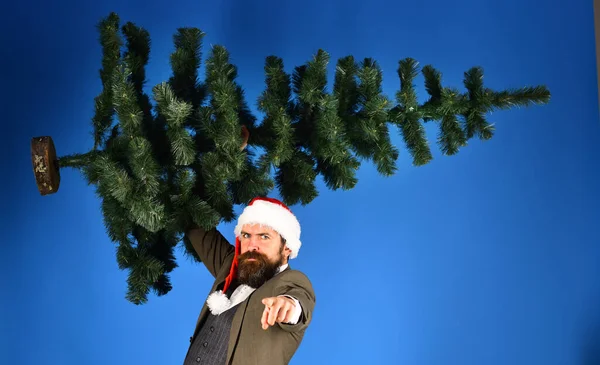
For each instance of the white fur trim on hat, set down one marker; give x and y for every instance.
(277, 218)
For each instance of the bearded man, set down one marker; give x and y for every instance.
(258, 308)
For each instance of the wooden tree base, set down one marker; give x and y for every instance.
(45, 165)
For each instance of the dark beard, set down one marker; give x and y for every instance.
(256, 273)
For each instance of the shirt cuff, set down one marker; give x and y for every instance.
(297, 310)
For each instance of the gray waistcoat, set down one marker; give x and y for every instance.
(210, 345)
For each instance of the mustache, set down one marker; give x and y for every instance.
(252, 255)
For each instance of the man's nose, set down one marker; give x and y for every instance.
(253, 244)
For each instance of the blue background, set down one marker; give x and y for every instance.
(488, 257)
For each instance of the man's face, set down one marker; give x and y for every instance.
(262, 253)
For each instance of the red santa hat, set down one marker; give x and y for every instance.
(271, 213)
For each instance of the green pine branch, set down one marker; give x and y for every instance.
(164, 162)
(408, 113)
(111, 53)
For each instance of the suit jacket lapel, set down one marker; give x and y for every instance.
(236, 327)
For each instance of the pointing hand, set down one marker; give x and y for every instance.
(277, 309)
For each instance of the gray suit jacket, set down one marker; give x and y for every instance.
(249, 344)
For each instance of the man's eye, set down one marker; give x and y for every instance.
(265, 237)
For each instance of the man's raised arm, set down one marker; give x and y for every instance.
(211, 247)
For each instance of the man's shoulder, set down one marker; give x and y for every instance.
(295, 275)
(294, 282)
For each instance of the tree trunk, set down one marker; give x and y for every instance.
(45, 165)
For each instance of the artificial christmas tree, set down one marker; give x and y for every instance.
(162, 166)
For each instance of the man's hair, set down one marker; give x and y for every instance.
(283, 242)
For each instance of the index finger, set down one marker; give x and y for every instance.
(263, 320)
(268, 301)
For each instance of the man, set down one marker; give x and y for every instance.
(258, 308)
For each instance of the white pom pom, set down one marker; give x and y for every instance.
(218, 302)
